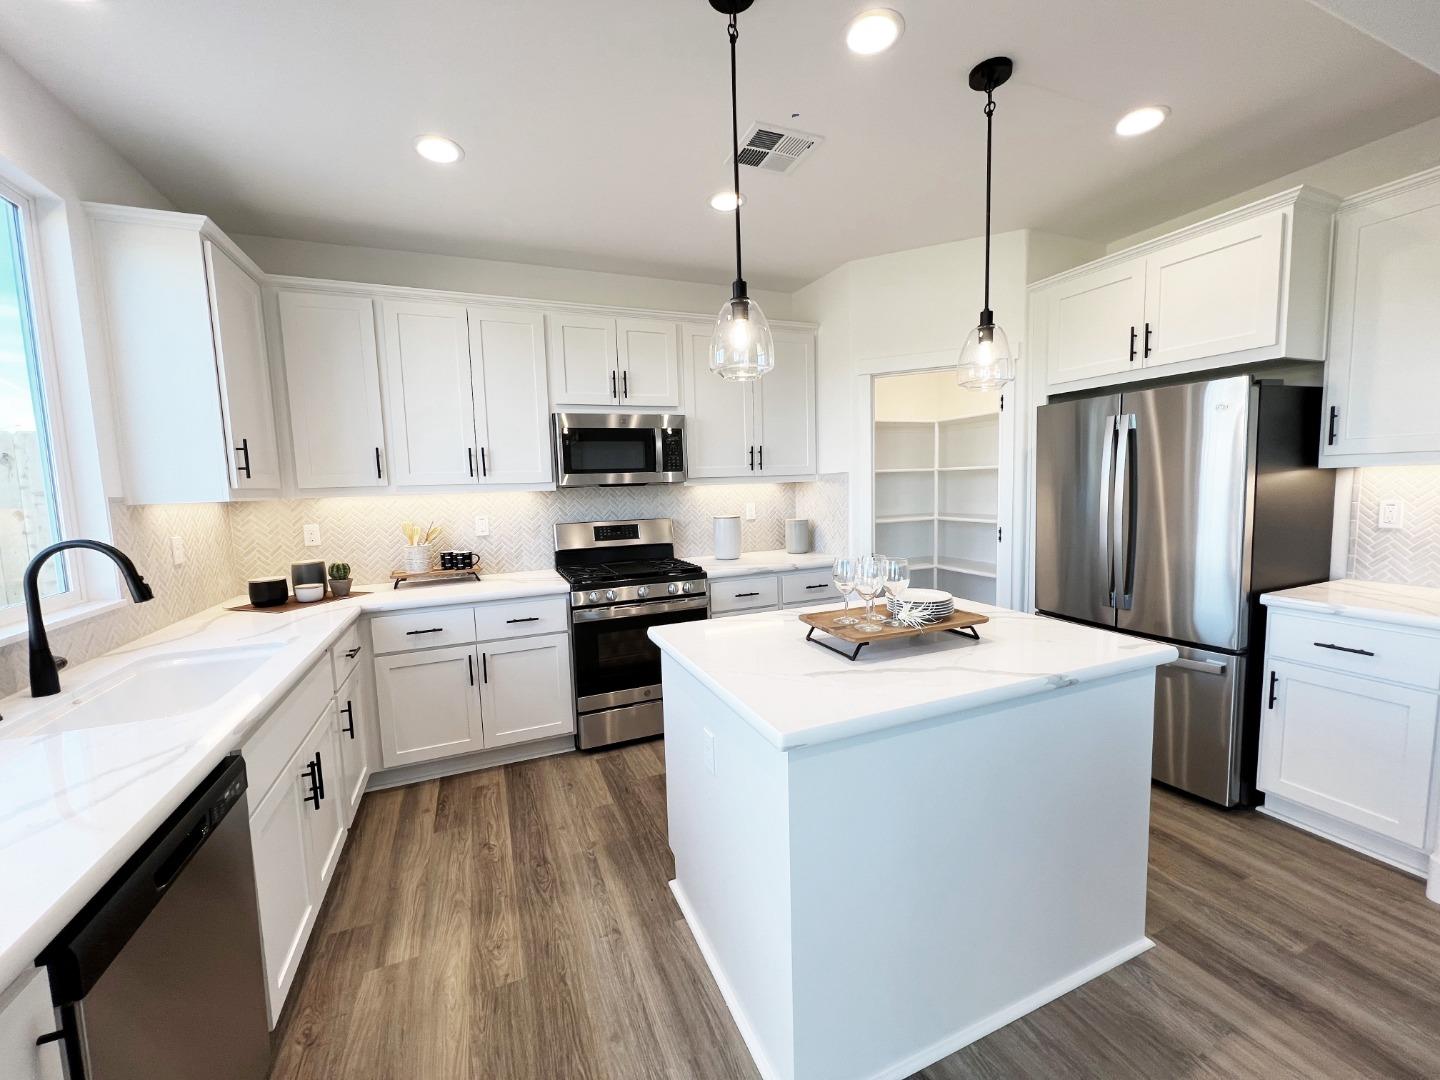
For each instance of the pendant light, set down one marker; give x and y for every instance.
(741, 346)
(985, 359)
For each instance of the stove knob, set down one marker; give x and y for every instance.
(592, 597)
(643, 591)
(672, 588)
(684, 586)
(609, 594)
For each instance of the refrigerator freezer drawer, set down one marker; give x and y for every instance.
(1199, 710)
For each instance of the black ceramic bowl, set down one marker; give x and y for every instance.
(269, 591)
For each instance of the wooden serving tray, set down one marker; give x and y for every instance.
(957, 622)
(400, 576)
(291, 604)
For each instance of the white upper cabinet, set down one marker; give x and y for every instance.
(427, 376)
(719, 416)
(1242, 288)
(190, 378)
(626, 363)
(1382, 378)
(1094, 321)
(333, 376)
(512, 413)
(785, 440)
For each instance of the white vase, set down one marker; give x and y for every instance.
(727, 537)
(797, 535)
(417, 558)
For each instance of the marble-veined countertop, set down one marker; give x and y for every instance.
(1379, 601)
(759, 562)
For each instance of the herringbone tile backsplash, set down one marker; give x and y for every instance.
(1409, 555)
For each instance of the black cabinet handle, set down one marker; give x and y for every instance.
(825, 586)
(49, 1037)
(613, 394)
(1334, 416)
(1147, 340)
(320, 774)
(470, 459)
(350, 654)
(379, 474)
(484, 464)
(1132, 344)
(484, 668)
(1343, 648)
(752, 459)
(244, 448)
(625, 382)
(432, 630)
(531, 618)
(743, 595)
(470, 667)
(349, 713)
(1274, 678)
(762, 459)
(313, 797)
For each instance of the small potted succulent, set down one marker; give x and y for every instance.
(339, 579)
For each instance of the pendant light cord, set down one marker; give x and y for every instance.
(734, 32)
(989, 137)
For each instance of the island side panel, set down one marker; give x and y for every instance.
(729, 836)
(955, 874)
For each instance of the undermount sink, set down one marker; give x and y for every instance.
(163, 687)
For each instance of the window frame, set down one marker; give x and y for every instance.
(80, 587)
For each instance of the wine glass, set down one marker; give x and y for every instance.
(895, 572)
(843, 575)
(869, 582)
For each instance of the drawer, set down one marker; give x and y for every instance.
(282, 732)
(1360, 648)
(807, 587)
(521, 618)
(423, 629)
(744, 594)
(345, 653)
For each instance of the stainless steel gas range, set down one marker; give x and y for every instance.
(624, 579)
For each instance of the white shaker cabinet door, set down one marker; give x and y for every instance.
(354, 716)
(649, 359)
(427, 382)
(1354, 748)
(1214, 295)
(333, 377)
(237, 316)
(785, 443)
(584, 369)
(512, 410)
(525, 685)
(719, 415)
(325, 822)
(429, 704)
(1095, 322)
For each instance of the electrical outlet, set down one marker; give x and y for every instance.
(482, 526)
(1392, 514)
(177, 550)
(312, 535)
(709, 737)
(749, 511)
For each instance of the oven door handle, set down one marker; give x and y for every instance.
(633, 611)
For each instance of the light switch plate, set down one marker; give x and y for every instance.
(749, 511)
(1392, 514)
(312, 535)
(177, 550)
(482, 526)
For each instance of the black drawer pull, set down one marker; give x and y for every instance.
(349, 713)
(1343, 648)
(350, 654)
(1274, 678)
(311, 775)
(530, 618)
(432, 630)
(320, 774)
(53, 1036)
(742, 595)
(825, 586)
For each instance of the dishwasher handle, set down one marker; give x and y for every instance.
(91, 941)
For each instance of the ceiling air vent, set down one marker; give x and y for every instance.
(777, 149)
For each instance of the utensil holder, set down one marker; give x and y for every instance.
(417, 558)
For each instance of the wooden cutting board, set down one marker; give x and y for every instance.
(291, 604)
(824, 621)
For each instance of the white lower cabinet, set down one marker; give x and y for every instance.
(25, 1015)
(525, 689)
(353, 726)
(429, 704)
(767, 592)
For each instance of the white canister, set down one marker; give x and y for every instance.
(797, 535)
(417, 558)
(727, 537)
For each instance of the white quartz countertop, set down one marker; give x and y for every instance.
(1407, 605)
(797, 694)
(76, 801)
(759, 562)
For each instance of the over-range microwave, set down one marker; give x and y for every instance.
(593, 449)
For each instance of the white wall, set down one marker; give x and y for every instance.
(419, 270)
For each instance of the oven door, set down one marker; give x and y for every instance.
(593, 449)
(616, 663)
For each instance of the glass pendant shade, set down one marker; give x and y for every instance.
(986, 362)
(741, 346)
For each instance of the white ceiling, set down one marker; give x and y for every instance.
(595, 132)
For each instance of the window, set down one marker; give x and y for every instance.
(30, 513)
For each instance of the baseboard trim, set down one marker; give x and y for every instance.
(1381, 848)
(483, 759)
(936, 1050)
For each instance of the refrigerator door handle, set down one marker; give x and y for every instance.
(1123, 512)
(1107, 533)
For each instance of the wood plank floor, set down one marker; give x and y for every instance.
(516, 923)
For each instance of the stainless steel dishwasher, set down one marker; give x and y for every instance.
(159, 977)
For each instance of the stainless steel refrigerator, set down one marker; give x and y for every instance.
(1165, 512)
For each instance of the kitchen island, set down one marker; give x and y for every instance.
(887, 859)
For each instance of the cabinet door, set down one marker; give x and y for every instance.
(719, 414)
(1356, 749)
(512, 409)
(354, 713)
(427, 383)
(238, 319)
(324, 824)
(429, 704)
(526, 689)
(785, 442)
(284, 888)
(649, 358)
(1381, 374)
(25, 1015)
(1094, 320)
(333, 378)
(582, 355)
(1215, 294)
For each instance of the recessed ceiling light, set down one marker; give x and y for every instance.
(874, 31)
(439, 149)
(725, 202)
(1139, 121)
